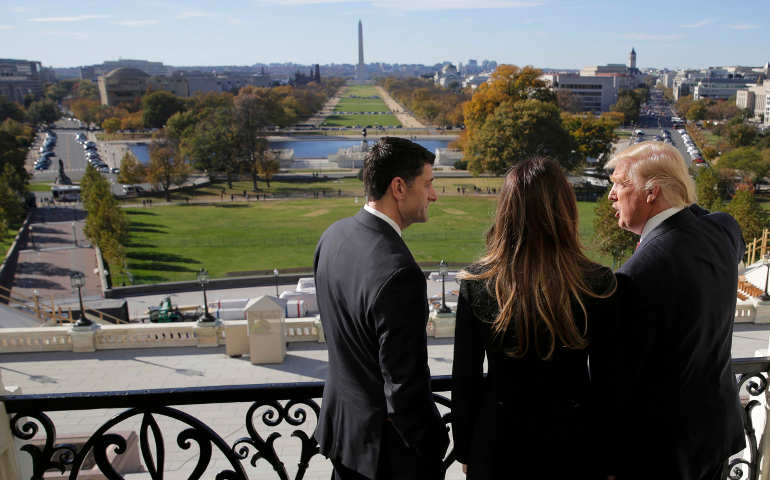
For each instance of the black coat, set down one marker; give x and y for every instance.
(679, 292)
(531, 418)
(374, 310)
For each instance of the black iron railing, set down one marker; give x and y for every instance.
(271, 406)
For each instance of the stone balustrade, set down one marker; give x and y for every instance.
(185, 334)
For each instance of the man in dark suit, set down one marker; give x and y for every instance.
(681, 413)
(378, 419)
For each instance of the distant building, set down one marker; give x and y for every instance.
(88, 73)
(719, 88)
(754, 99)
(596, 93)
(150, 68)
(19, 78)
(448, 77)
(122, 85)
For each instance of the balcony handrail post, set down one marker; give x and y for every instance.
(9, 466)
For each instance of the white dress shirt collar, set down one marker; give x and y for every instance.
(657, 220)
(381, 215)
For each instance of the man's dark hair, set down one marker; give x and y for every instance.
(393, 157)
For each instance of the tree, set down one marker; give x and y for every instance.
(707, 186)
(10, 200)
(43, 111)
(629, 104)
(85, 109)
(9, 109)
(106, 223)
(268, 164)
(166, 166)
(569, 102)
(132, 121)
(85, 89)
(158, 106)
(682, 106)
(131, 170)
(748, 161)
(212, 143)
(747, 212)
(251, 118)
(609, 238)
(515, 131)
(111, 125)
(742, 135)
(513, 116)
(697, 111)
(593, 136)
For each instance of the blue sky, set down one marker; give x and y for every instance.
(544, 33)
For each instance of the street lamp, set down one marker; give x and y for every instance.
(78, 280)
(275, 278)
(766, 260)
(203, 279)
(443, 270)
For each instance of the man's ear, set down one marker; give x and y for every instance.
(652, 193)
(398, 188)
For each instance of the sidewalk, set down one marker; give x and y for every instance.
(52, 254)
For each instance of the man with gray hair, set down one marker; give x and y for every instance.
(678, 290)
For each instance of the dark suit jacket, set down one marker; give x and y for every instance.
(681, 406)
(531, 418)
(373, 304)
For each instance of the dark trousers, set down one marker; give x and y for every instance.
(397, 462)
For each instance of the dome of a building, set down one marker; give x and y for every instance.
(126, 72)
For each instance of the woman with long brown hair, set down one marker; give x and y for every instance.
(536, 306)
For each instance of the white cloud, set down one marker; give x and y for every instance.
(78, 18)
(702, 23)
(652, 36)
(7, 27)
(744, 26)
(136, 23)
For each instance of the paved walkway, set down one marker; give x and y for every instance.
(326, 110)
(52, 254)
(406, 118)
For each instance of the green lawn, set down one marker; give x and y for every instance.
(360, 91)
(7, 240)
(361, 105)
(39, 187)
(361, 120)
(173, 243)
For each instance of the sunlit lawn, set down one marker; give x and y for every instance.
(361, 105)
(385, 120)
(359, 91)
(172, 243)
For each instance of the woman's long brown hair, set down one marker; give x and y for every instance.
(534, 265)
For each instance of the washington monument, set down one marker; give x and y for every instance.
(360, 69)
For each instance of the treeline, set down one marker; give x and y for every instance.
(294, 103)
(629, 104)
(217, 133)
(706, 108)
(516, 115)
(17, 134)
(431, 104)
(106, 223)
